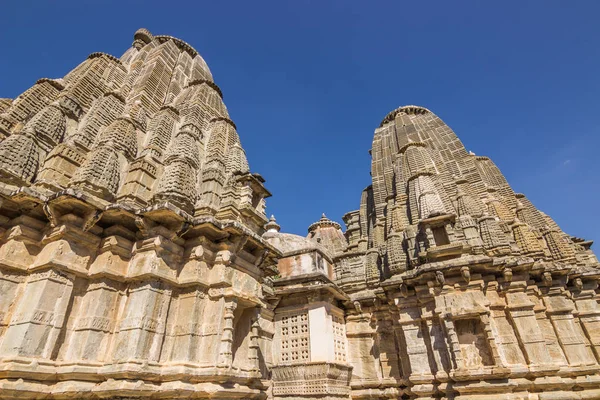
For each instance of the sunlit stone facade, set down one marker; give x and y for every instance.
(136, 259)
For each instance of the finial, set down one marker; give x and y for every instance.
(272, 225)
(323, 222)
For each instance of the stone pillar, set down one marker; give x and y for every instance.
(361, 345)
(489, 335)
(253, 347)
(39, 317)
(225, 351)
(570, 336)
(141, 331)
(430, 237)
(415, 348)
(588, 311)
(266, 331)
(186, 326)
(520, 310)
(388, 350)
(502, 331)
(555, 351)
(452, 341)
(11, 286)
(437, 337)
(321, 334)
(94, 324)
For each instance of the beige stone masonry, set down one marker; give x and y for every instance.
(137, 261)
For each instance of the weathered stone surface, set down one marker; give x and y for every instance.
(131, 262)
(136, 260)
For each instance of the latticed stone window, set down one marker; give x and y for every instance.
(339, 337)
(295, 342)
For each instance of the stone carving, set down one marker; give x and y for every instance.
(136, 259)
(472, 290)
(294, 341)
(110, 265)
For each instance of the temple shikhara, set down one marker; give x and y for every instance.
(137, 260)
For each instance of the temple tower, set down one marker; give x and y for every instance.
(454, 278)
(131, 261)
(136, 259)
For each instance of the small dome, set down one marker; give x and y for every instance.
(328, 234)
(19, 158)
(272, 225)
(289, 243)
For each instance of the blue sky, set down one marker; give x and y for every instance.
(307, 82)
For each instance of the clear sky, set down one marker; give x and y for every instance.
(307, 82)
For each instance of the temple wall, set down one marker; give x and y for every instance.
(518, 336)
(75, 312)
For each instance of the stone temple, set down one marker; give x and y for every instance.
(137, 261)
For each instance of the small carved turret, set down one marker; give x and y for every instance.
(468, 210)
(526, 240)
(272, 225)
(329, 234)
(396, 256)
(28, 104)
(182, 161)
(5, 104)
(22, 154)
(559, 249)
(494, 239)
(101, 172)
